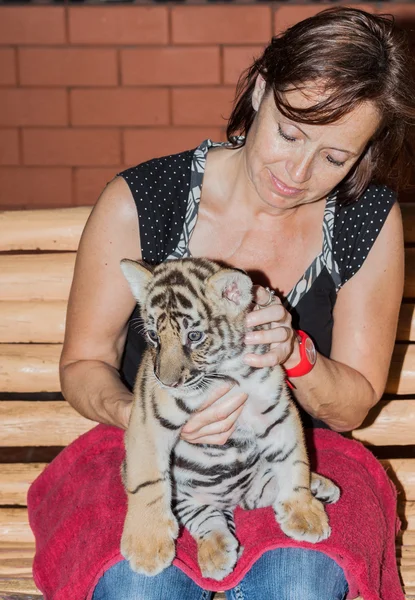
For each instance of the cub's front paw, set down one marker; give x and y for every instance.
(149, 543)
(217, 554)
(303, 520)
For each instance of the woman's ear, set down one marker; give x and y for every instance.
(258, 92)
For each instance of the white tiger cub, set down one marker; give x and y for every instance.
(194, 319)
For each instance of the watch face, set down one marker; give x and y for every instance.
(310, 351)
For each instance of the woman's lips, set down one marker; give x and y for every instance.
(284, 189)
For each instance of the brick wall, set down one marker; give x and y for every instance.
(87, 90)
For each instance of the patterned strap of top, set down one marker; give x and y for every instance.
(324, 259)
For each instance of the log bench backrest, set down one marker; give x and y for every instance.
(37, 256)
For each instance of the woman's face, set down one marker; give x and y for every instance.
(291, 163)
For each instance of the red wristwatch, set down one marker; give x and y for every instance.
(308, 356)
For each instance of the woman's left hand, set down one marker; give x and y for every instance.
(280, 337)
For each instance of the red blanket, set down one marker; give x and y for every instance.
(77, 507)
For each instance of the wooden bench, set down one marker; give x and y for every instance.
(37, 255)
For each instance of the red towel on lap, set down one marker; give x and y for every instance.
(77, 507)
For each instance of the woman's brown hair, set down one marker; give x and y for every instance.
(358, 57)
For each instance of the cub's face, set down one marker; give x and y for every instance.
(193, 312)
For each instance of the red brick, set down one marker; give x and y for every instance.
(236, 60)
(120, 107)
(221, 24)
(28, 187)
(9, 147)
(143, 144)
(202, 106)
(7, 66)
(118, 25)
(402, 12)
(33, 107)
(32, 25)
(289, 15)
(68, 66)
(170, 66)
(67, 147)
(89, 184)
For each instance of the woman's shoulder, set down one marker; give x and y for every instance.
(357, 226)
(160, 167)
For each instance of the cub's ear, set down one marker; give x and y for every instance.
(138, 275)
(231, 288)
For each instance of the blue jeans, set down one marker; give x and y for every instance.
(281, 574)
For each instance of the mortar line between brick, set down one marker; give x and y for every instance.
(74, 199)
(170, 106)
(17, 65)
(169, 26)
(118, 65)
(20, 145)
(122, 146)
(221, 64)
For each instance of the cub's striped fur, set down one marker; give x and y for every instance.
(194, 317)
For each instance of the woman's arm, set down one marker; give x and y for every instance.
(100, 304)
(341, 390)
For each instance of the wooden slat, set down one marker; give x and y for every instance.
(36, 321)
(34, 368)
(50, 229)
(402, 473)
(29, 367)
(406, 323)
(49, 276)
(16, 479)
(40, 423)
(408, 217)
(44, 322)
(26, 423)
(401, 378)
(25, 588)
(36, 276)
(409, 287)
(19, 528)
(61, 228)
(14, 526)
(389, 423)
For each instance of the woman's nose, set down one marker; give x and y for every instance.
(299, 168)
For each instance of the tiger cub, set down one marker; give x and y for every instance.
(194, 319)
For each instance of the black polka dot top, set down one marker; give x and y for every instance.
(167, 192)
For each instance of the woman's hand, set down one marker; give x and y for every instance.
(214, 422)
(280, 337)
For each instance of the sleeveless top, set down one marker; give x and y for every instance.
(167, 193)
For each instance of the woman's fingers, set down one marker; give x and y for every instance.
(279, 334)
(215, 411)
(217, 439)
(221, 430)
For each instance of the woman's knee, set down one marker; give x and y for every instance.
(293, 573)
(121, 583)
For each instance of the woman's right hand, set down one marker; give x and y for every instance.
(215, 421)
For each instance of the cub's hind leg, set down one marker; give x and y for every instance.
(213, 530)
(324, 489)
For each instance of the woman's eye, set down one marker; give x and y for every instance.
(336, 163)
(194, 336)
(285, 136)
(152, 335)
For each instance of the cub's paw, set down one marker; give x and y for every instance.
(149, 544)
(303, 520)
(217, 554)
(324, 489)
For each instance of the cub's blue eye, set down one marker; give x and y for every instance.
(152, 335)
(195, 336)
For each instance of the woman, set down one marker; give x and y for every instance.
(323, 113)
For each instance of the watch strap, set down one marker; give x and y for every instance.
(308, 356)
